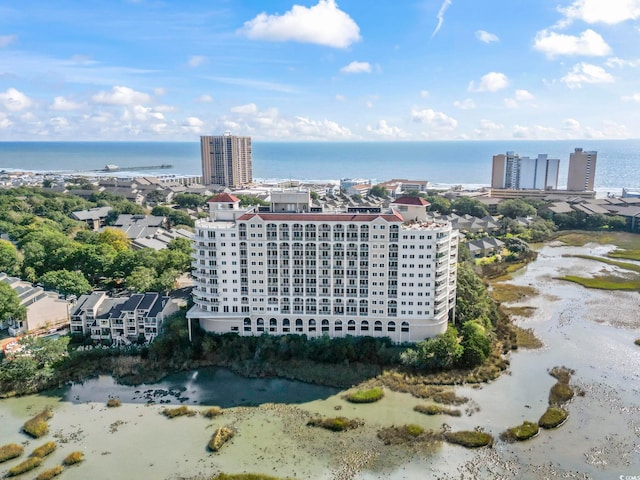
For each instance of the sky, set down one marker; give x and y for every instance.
(319, 70)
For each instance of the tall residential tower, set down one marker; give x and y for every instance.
(582, 170)
(513, 172)
(226, 160)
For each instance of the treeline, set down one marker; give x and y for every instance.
(46, 246)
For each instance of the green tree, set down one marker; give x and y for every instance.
(475, 343)
(438, 353)
(116, 238)
(378, 191)
(141, 279)
(246, 200)
(166, 281)
(469, 206)
(156, 196)
(66, 282)
(472, 300)
(9, 259)
(439, 204)
(10, 304)
(189, 200)
(516, 208)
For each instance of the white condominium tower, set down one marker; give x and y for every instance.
(513, 172)
(582, 170)
(226, 160)
(285, 269)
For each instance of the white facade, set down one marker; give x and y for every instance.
(513, 172)
(323, 274)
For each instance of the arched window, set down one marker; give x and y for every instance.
(247, 324)
(273, 325)
(364, 326)
(351, 325)
(377, 326)
(391, 327)
(404, 327)
(260, 323)
(325, 325)
(285, 325)
(312, 325)
(299, 327)
(338, 325)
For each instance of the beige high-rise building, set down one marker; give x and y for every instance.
(582, 170)
(226, 160)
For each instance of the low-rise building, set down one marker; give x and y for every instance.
(94, 217)
(124, 319)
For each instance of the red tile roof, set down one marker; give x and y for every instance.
(323, 217)
(411, 201)
(223, 198)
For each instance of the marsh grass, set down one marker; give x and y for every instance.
(37, 426)
(211, 412)
(604, 282)
(623, 265)
(524, 312)
(370, 395)
(562, 374)
(51, 473)
(73, 458)
(526, 338)
(469, 438)
(625, 254)
(508, 293)
(221, 436)
(408, 434)
(26, 466)
(114, 402)
(579, 238)
(553, 417)
(437, 410)
(44, 450)
(335, 424)
(637, 342)
(10, 451)
(178, 412)
(520, 433)
(560, 393)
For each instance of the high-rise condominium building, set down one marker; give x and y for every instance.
(582, 170)
(226, 160)
(513, 172)
(290, 269)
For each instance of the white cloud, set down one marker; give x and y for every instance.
(248, 109)
(59, 123)
(586, 73)
(523, 95)
(632, 98)
(424, 93)
(621, 62)
(340, 98)
(14, 100)
(121, 96)
(486, 37)
(323, 24)
(383, 129)
(488, 128)
(588, 43)
(6, 40)
(4, 121)
(193, 125)
(599, 11)
(61, 104)
(535, 132)
(196, 60)
(159, 91)
(466, 104)
(571, 124)
(141, 113)
(204, 99)
(357, 67)
(324, 129)
(491, 82)
(440, 16)
(438, 120)
(510, 103)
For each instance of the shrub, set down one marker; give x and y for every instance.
(469, 439)
(49, 474)
(437, 410)
(26, 466)
(521, 432)
(114, 402)
(365, 396)
(413, 434)
(553, 417)
(414, 430)
(220, 437)
(211, 412)
(178, 412)
(73, 458)
(10, 451)
(44, 450)
(637, 342)
(244, 476)
(335, 424)
(37, 426)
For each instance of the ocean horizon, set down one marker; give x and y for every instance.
(440, 162)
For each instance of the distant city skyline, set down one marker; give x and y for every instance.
(330, 70)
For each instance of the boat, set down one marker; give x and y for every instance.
(111, 168)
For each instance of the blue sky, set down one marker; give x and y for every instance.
(345, 70)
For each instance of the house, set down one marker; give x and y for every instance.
(94, 217)
(485, 247)
(139, 226)
(122, 320)
(45, 310)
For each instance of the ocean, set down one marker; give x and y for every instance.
(442, 163)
